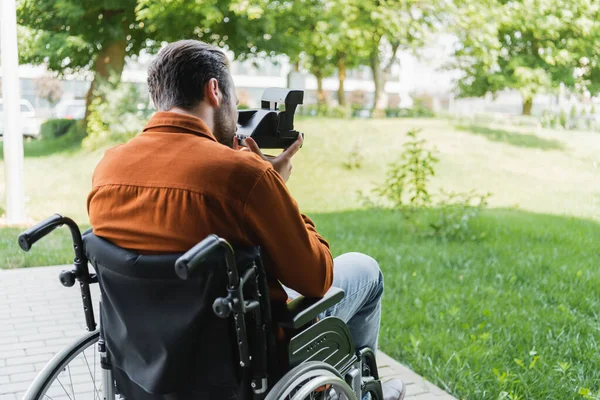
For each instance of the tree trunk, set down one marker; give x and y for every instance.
(109, 62)
(295, 69)
(378, 80)
(321, 100)
(342, 73)
(380, 77)
(527, 105)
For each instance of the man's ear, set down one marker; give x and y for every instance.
(212, 92)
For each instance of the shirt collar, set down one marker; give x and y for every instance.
(165, 121)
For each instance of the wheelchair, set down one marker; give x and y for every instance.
(197, 325)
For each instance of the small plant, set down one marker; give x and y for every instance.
(406, 189)
(407, 180)
(562, 119)
(573, 114)
(455, 211)
(355, 158)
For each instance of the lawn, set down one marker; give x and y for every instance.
(513, 315)
(516, 312)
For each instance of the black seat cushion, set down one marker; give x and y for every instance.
(160, 331)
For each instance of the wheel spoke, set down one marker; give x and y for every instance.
(66, 369)
(99, 391)
(90, 371)
(61, 385)
(71, 379)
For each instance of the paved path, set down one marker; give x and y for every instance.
(38, 317)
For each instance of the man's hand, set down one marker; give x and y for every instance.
(283, 162)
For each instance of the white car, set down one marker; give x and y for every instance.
(29, 123)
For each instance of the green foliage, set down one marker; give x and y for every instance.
(407, 188)
(54, 128)
(510, 314)
(390, 26)
(415, 112)
(573, 113)
(530, 46)
(518, 139)
(562, 118)
(453, 213)
(67, 35)
(69, 143)
(331, 111)
(71, 35)
(407, 180)
(354, 159)
(119, 119)
(323, 110)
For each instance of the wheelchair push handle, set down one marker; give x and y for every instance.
(28, 238)
(189, 263)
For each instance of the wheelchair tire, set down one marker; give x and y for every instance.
(73, 366)
(306, 378)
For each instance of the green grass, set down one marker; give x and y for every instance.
(512, 138)
(458, 312)
(470, 316)
(66, 144)
(54, 249)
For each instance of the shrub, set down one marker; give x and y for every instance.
(406, 188)
(316, 110)
(415, 112)
(454, 211)
(118, 113)
(354, 159)
(563, 119)
(54, 128)
(407, 180)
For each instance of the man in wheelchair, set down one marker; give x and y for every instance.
(185, 178)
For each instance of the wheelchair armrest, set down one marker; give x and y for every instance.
(302, 310)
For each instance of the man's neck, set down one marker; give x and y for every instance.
(198, 112)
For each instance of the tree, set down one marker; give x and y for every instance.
(350, 48)
(71, 35)
(318, 48)
(49, 89)
(388, 26)
(320, 35)
(98, 36)
(527, 45)
(298, 29)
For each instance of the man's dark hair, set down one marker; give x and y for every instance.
(178, 74)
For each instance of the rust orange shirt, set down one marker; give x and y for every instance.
(174, 184)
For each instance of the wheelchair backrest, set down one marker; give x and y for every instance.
(160, 331)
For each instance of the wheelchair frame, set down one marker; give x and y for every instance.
(321, 359)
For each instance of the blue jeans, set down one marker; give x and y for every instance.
(362, 281)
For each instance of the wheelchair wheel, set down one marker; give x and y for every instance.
(74, 373)
(312, 380)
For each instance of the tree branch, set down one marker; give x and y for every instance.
(395, 47)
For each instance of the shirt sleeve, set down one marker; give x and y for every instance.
(294, 253)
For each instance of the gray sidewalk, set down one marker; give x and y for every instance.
(38, 317)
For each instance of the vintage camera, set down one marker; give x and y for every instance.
(269, 127)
